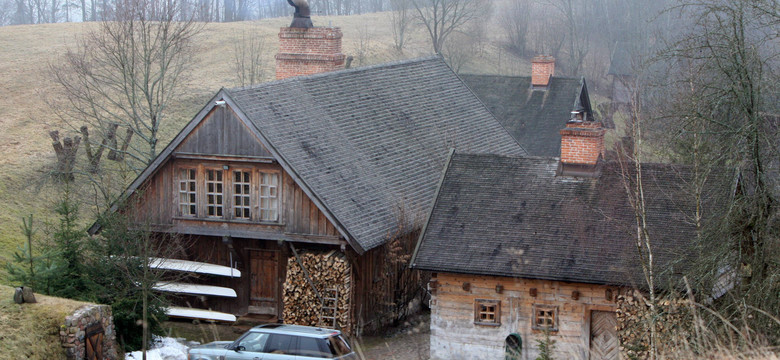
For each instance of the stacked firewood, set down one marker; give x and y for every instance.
(634, 316)
(325, 270)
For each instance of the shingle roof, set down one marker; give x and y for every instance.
(533, 117)
(509, 216)
(368, 141)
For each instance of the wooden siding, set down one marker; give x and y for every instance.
(222, 133)
(300, 219)
(214, 250)
(152, 201)
(385, 289)
(454, 335)
(300, 215)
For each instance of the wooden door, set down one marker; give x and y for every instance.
(603, 336)
(264, 283)
(93, 342)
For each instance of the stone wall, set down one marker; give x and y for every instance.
(89, 318)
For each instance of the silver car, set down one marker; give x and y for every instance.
(278, 342)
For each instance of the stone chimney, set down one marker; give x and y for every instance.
(306, 51)
(542, 69)
(582, 144)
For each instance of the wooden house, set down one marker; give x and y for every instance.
(523, 246)
(300, 184)
(531, 107)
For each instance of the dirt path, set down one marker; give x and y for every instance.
(410, 341)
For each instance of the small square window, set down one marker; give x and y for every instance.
(545, 318)
(487, 312)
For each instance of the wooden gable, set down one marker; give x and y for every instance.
(219, 140)
(222, 133)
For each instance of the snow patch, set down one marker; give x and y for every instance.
(164, 348)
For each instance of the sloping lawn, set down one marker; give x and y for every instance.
(32, 331)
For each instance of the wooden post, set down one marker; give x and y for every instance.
(94, 158)
(66, 154)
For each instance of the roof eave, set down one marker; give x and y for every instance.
(432, 207)
(158, 161)
(518, 276)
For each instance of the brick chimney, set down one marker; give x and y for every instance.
(582, 143)
(305, 51)
(542, 69)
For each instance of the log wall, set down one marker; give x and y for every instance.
(454, 334)
(385, 289)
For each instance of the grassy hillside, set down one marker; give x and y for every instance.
(26, 155)
(31, 331)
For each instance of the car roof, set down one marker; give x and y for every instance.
(299, 330)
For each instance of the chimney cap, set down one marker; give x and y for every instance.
(543, 59)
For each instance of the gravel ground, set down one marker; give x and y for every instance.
(410, 341)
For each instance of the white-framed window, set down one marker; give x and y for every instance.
(545, 317)
(487, 312)
(215, 193)
(269, 196)
(242, 183)
(188, 205)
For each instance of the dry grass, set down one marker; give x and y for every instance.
(26, 155)
(31, 331)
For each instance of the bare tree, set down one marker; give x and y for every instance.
(574, 13)
(460, 51)
(362, 45)
(128, 269)
(544, 36)
(631, 170)
(248, 61)
(443, 17)
(725, 93)
(514, 19)
(6, 12)
(401, 21)
(127, 72)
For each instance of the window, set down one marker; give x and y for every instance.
(219, 191)
(214, 193)
(253, 341)
(545, 317)
(338, 345)
(280, 344)
(241, 197)
(269, 196)
(187, 204)
(487, 312)
(313, 347)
